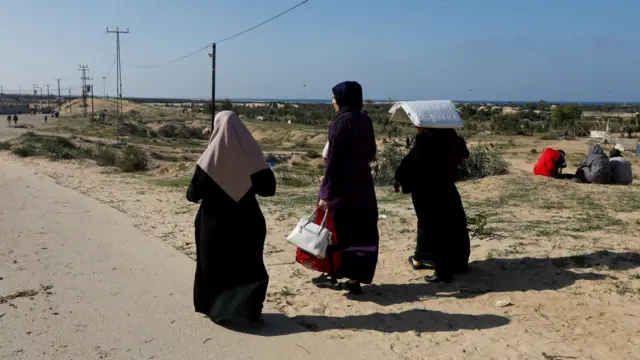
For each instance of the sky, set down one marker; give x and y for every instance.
(520, 50)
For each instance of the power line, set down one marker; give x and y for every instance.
(221, 40)
(262, 23)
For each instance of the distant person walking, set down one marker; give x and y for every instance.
(231, 279)
(45, 119)
(429, 173)
(9, 119)
(15, 119)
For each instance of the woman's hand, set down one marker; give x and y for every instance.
(323, 204)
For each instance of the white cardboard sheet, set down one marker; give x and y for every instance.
(439, 114)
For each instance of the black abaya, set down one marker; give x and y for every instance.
(429, 173)
(231, 279)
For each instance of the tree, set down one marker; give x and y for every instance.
(227, 105)
(566, 114)
(368, 101)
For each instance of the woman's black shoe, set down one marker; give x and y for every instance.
(353, 287)
(422, 265)
(324, 282)
(438, 279)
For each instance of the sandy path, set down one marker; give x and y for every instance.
(584, 307)
(79, 281)
(9, 132)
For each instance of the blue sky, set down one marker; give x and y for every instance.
(569, 50)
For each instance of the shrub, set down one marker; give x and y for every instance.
(132, 129)
(5, 145)
(105, 156)
(168, 131)
(133, 159)
(312, 154)
(482, 162)
(24, 151)
(59, 148)
(550, 136)
(388, 161)
(181, 131)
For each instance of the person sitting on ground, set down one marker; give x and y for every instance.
(595, 169)
(551, 163)
(620, 168)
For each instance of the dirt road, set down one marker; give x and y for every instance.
(79, 281)
(8, 132)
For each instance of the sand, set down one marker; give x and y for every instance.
(573, 293)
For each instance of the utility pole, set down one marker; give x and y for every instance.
(70, 103)
(118, 69)
(35, 92)
(48, 96)
(59, 98)
(92, 113)
(213, 84)
(84, 78)
(104, 87)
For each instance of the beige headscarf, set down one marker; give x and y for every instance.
(233, 155)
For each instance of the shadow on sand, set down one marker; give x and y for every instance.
(507, 275)
(493, 275)
(415, 320)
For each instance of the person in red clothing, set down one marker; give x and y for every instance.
(551, 163)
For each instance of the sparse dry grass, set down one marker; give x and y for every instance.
(563, 253)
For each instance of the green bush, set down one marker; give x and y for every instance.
(482, 162)
(105, 156)
(133, 159)
(59, 148)
(24, 151)
(550, 136)
(5, 145)
(312, 154)
(388, 161)
(181, 131)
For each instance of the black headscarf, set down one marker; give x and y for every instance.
(615, 153)
(348, 95)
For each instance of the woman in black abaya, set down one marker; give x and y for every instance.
(231, 279)
(429, 173)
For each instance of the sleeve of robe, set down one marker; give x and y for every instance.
(202, 186)
(333, 182)
(417, 161)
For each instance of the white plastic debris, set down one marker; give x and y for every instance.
(382, 217)
(419, 308)
(503, 303)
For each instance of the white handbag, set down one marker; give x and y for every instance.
(311, 237)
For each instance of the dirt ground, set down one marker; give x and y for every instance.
(565, 255)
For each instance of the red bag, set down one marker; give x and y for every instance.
(331, 263)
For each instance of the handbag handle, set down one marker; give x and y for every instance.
(324, 219)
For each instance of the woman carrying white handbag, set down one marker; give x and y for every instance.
(347, 190)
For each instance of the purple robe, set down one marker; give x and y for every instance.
(349, 188)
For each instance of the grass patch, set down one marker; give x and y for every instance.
(5, 145)
(24, 151)
(295, 176)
